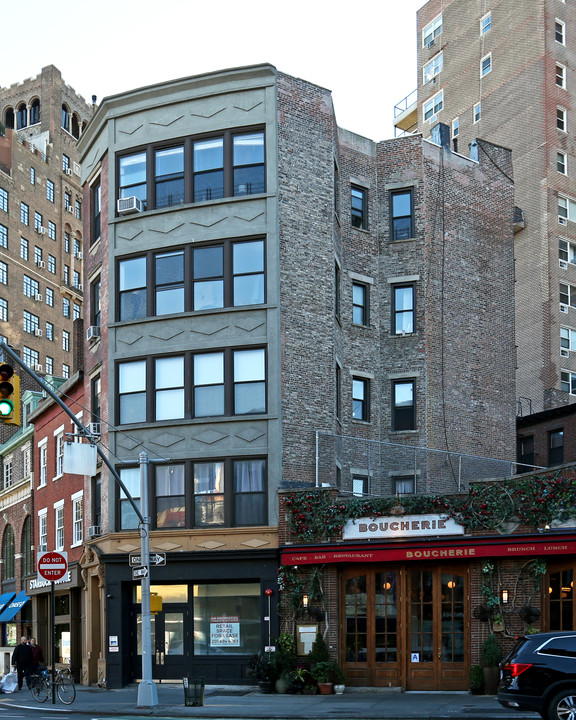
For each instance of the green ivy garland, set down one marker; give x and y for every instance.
(535, 501)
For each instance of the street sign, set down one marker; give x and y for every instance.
(154, 559)
(139, 572)
(52, 565)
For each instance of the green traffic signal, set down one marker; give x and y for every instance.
(9, 395)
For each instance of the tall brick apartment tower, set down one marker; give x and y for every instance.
(505, 72)
(41, 243)
(270, 295)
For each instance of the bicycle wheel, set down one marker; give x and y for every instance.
(66, 691)
(40, 689)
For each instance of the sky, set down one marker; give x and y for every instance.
(365, 54)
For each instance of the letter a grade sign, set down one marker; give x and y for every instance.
(52, 565)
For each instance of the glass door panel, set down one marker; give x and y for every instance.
(356, 619)
(386, 616)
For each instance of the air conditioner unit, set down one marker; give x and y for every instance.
(37, 368)
(563, 308)
(76, 169)
(40, 264)
(93, 332)
(431, 44)
(69, 209)
(563, 221)
(563, 264)
(38, 332)
(80, 256)
(80, 287)
(94, 429)
(94, 531)
(68, 171)
(129, 205)
(41, 230)
(564, 352)
(38, 297)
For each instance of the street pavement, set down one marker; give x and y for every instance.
(250, 703)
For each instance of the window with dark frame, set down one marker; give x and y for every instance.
(228, 274)
(96, 211)
(95, 306)
(95, 397)
(403, 485)
(359, 207)
(230, 164)
(222, 383)
(525, 454)
(402, 214)
(338, 392)
(403, 309)
(403, 405)
(360, 485)
(360, 303)
(556, 447)
(360, 398)
(225, 492)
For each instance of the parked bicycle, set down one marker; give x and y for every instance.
(41, 686)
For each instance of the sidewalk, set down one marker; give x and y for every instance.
(249, 703)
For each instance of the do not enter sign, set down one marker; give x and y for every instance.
(52, 565)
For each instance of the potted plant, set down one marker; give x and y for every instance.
(491, 656)
(284, 662)
(475, 680)
(323, 673)
(497, 623)
(260, 668)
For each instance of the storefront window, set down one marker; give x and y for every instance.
(62, 604)
(63, 643)
(560, 599)
(386, 616)
(356, 619)
(227, 619)
(11, 639)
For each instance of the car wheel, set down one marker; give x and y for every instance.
(563, 706)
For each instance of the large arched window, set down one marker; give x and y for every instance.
(21, 116)
(35, 112)
(65, 118)
(9, 118)
(27, 558)
(8, 564)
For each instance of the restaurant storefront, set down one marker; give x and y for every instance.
(410, 593)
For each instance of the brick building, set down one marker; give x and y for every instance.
(274, 303)
(505, 72)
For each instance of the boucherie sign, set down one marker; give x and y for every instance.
(401, 527)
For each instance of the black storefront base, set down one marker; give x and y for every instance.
(194, 691)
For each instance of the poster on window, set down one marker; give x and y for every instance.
(225, 631)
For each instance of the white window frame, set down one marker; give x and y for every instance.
(433, 67)
(477, 112)
(569, 292)
(561, 75)
(568, 339)
(562, 161)
(455, 127)
(563, 26)
(43, 530)
(566, 209)
(432, 30)
(434, 104)
(59, 525)
(567, 250)
(59, 446)
(43, 462)
(486, 23)
(77, 518)
(562, 116)
(488, 69)
(8, 478)
(568, 377)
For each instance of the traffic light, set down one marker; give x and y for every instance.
(9, 395)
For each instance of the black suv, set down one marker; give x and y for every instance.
(539, 673)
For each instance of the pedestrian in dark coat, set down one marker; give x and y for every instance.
(37, 656)
(22, 659)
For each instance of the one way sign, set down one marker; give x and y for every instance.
(139, 572)
(154, 559)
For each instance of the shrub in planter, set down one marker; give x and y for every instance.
(490, 656)
(475, 679)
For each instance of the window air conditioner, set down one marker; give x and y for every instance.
(37, 368)
(69, 209)
(563, 308)
(80, 256)
(38, 332)
(431, 44)
(94, 429)
(564, 352)
(41, 230)
(38, 297)
(129, 205)
(41, 264)
(80, 287)
(562, 221)
(563, 264)
(93, 332)
(68, 171)
(94, 531)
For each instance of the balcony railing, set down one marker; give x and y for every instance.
(405, 103)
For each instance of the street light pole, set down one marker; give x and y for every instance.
(147, 692)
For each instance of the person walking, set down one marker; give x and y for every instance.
(22, 659)
(37, 656)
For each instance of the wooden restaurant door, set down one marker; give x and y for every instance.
(406, 627)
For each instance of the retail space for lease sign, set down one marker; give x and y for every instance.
(225, 631)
